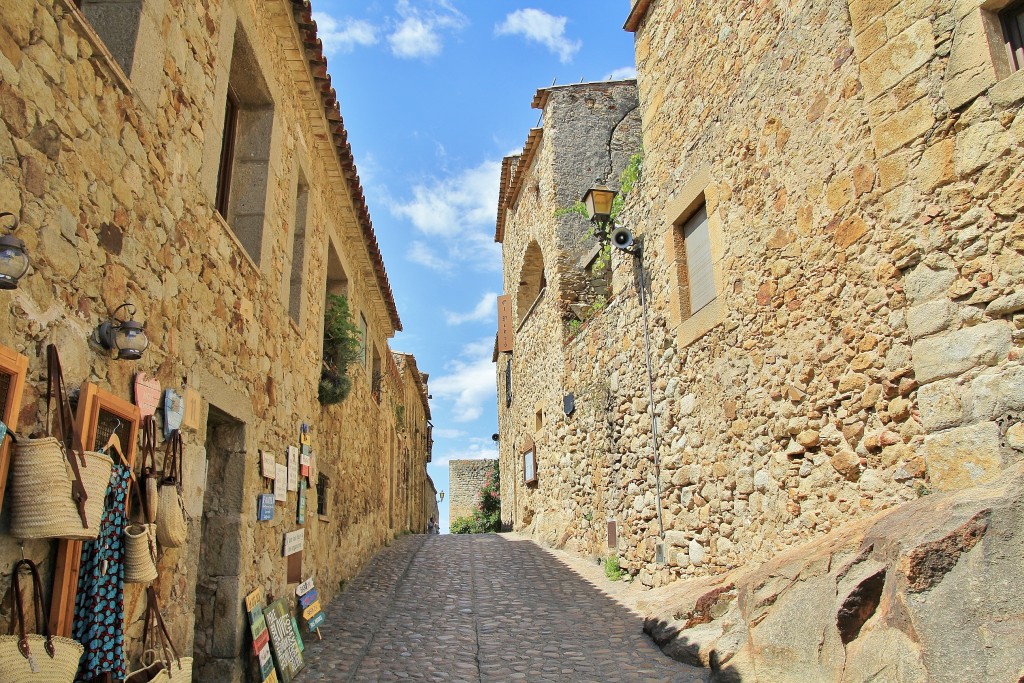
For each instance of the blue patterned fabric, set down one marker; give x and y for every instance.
(99, 605)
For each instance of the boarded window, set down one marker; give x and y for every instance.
(245, 149)
(1012, 19)
(508, 382)
(321, 495)
(699, 267)
(296, 271)
(116, 22)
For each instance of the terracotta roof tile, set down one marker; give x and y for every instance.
(314, 49)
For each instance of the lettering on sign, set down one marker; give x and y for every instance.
(294, 542)
(504, 323)
(308, 599)
(284, 641)
(311, 611)
(315, 622)
(304, 587)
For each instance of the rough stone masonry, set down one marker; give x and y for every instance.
(861, 168)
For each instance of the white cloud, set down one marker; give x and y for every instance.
(622, 74)
(457, 213)
(419, 32)
(446, 433)
(469, 383)
(476, 449)
(344, 35)
(421, 253)
(485, 310)
(541, 27)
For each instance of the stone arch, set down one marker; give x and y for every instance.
(532, 280)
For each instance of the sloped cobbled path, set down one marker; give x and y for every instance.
(477, 609)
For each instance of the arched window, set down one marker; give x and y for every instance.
(531, 281)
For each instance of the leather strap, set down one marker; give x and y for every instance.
(173, 471)
(155, 622)
(65, 429)
(37, 600)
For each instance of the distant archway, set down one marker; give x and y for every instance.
(531, 281)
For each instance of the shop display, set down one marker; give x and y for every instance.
(56, 487)
(309, 605)
(265, 507)
(99, 601)
(171, 523)
(260, 636)
(35, 657)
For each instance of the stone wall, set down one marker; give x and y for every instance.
(465, 479)
(113, 176)
(861, 169)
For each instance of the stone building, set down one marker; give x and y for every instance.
(465, 480)
(191, 160)
(830, 213)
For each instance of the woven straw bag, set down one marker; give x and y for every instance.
(150, 475)
(55, 494)
(160, 662)
(139, 546)
(172, 522)
(32, 658)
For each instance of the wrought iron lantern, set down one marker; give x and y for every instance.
(13, 257)
(126, 339)
(441, 494)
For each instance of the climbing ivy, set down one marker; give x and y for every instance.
(342, 347)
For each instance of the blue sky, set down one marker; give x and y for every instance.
(434, 93)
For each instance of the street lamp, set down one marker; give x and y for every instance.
(125, 338)
(441, 495)
(13, 257)
(598, 202)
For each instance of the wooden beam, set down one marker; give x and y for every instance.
(15, 366)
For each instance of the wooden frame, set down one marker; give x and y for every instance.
(530, 465)
(227, 155)
(93, 403)
(15, 366)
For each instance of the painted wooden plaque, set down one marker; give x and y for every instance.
(293, 468)
(315, 622)
(281, 484)
(294, 542)
(265, 507)
(147, 394)
(284, 642)
(504, 323)
(308, 598)
(260, 636)
(268, 465)
(300, 516)
(174, 411)
(304, 587)
(312, 610)
(193, 409)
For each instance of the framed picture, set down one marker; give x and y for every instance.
(530, 466)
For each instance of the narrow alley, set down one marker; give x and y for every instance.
(481, 608)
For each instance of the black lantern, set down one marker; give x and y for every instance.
(125, 338)
(13, 257)
(598, 202)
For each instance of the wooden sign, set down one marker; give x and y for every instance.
(193, 409)
(281, 484)
(284, 642)
(505, 329)
(294, 542)
(300, 516)
(268, 465)
(147, 394)
(309, 597)
(293, 468)
(309, 603)
(174, 411)
(265, 507)
(305, 456)
(304, 434)
(260, 636)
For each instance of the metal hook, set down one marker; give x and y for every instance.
(22, 546)
(6, 214)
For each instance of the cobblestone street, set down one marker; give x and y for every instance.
(481, 608)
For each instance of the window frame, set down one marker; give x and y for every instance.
(530, 465)
(1011, 20)
(227, 154)
(15, 366)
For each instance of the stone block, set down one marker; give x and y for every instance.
(953, 354)
(1006, 305)
(863, 12)
(980, 144)
(930, 317)
(229, 617)
(942, 405)
(995, 394)
(925, 283)
(936, 167)
(963, 457)
(969, 71)
(903, 126)
(897, 59)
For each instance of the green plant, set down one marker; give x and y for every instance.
(612, 569)
(400, 416)
(487, 517)
(589, 516)
(342, 347)
(574, 326)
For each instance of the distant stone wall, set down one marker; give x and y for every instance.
(466, 478)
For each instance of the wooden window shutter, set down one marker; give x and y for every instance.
(1012, 19)
(698, 260)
